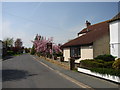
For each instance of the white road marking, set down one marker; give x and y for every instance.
(81, 85)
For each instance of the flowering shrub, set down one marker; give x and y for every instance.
(45, 47)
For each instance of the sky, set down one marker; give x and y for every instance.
(60, 20)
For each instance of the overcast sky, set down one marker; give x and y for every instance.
(60, 20)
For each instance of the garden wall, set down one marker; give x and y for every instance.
(104, 76)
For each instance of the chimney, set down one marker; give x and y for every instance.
(87, 23)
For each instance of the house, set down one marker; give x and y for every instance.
(1, 43)
(114, 24)
(91, 42)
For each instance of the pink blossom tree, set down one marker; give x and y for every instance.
(45, 46)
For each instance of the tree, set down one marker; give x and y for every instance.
(45, 46)
(8, 42)
(18, 46)
(18, 43)
(27, 50)
(32, 52)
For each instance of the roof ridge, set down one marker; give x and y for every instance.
(100, 22)
(94, 25)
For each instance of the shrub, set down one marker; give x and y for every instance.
(38, 54)
(100, 61)
(106, 57)
(59, 54)
(90, 63)
(32, 51)
(108, 64)
(116, 64)
(106, 71)
(10, 53)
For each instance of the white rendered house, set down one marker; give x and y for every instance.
(114, 26)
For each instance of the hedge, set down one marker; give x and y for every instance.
(105, 57)
(92, 63)
(106, 71)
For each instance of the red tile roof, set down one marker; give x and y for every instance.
(96, 31)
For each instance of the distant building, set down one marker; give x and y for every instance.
(114, 24)
(91, 42)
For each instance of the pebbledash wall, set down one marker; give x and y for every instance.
(115, 38)
(101, 46)
(86, 53)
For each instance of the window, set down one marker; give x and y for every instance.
(75, 52)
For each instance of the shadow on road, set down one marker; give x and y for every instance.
(7, 58)
(10, 75)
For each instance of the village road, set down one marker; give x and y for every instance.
(25, 72)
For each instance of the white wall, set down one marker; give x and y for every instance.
(114, 32)
(104, 76)
(115, 38)
(66, 54)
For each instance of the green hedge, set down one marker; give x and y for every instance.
(10, 53)
(106, 71)
(105, 57)
(92, 63)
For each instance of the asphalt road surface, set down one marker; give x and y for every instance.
(25, 72)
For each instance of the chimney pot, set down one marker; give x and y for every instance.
(87, 23)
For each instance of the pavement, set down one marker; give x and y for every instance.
(91, 81)
(29, 71)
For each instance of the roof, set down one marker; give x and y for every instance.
(92, 27)
(95, 32)
(117, 17)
